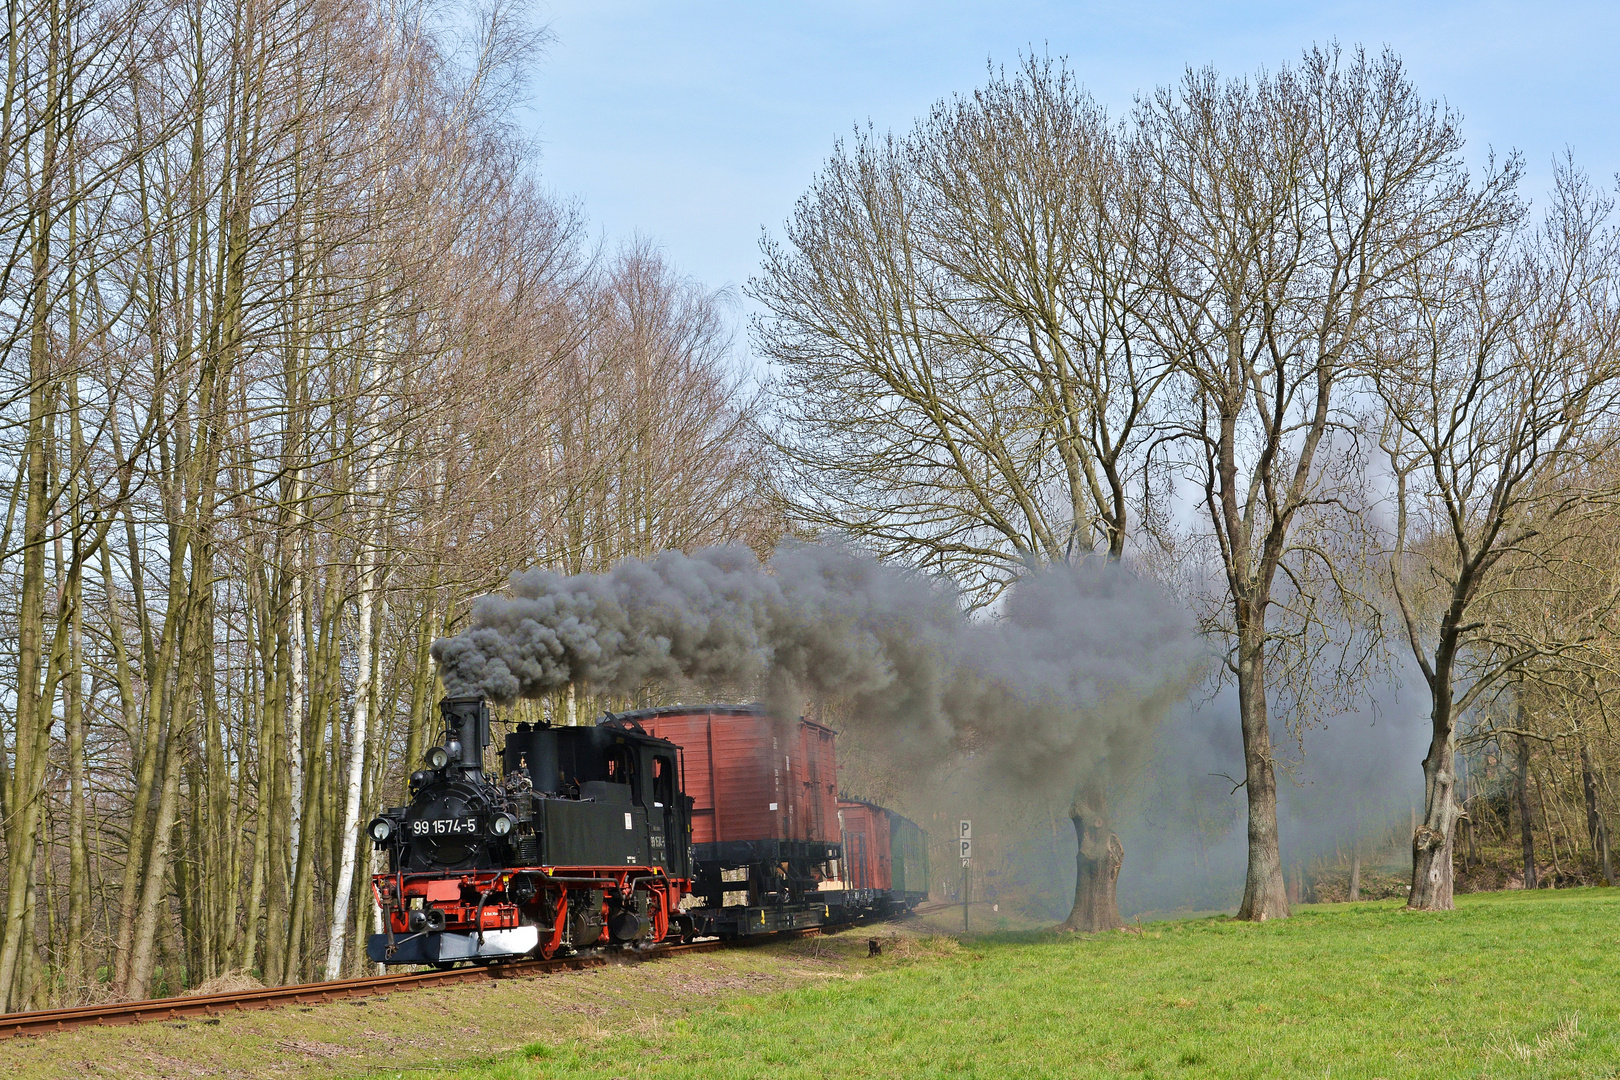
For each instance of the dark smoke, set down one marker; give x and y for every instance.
(1074, 671)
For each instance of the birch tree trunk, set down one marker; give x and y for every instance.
(366, 578)
(298, 599)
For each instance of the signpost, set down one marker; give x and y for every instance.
(964, 841)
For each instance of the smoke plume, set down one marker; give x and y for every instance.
(1352, 780)
(1074, 670)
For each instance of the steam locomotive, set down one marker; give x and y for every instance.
(650, 826)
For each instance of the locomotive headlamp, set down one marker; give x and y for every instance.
(502, 824)
(381, 829)
(438, 757)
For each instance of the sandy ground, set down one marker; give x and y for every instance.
(453, 1024)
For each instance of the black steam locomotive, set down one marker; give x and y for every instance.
(584, 841)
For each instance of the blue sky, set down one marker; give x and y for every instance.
(696, 125)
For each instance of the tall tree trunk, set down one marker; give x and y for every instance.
(304, 870)
(1433, 875)
(31, 715)
(149, 909)
(75, 974)
(216, 882)
(299, 594)
(278, 841)
(188, 873)
(1521, 793)
(145, 771)
(1265, 895)
(176, 707)
(365, 676)
(267, 707)
(1355, 870)
(422, 675)
(1597, 829)
(25, 994)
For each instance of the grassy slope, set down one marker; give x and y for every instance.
(1509, 985)
(375, 1037)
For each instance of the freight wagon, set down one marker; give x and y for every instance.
(885, 856)
(765, 837)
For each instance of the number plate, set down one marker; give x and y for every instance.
(455, 826)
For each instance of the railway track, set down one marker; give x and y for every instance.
(50, 1021)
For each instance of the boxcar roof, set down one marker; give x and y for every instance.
(850, 800)
(751, 709)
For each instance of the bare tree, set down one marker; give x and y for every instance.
(1287, 209)
(66, 69)
(1499, 385)
(656, 434)
(953, 322)
(963, 380)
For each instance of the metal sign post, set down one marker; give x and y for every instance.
(964, 841)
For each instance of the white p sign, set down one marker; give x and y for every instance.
(967, 830)
(966, 845)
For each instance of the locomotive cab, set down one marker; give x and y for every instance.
(607, 795)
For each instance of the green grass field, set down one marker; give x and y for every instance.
(1508, 985)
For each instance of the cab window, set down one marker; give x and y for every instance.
(664, 781)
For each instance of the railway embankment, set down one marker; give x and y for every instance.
(439, 1028)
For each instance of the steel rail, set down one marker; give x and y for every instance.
(49, 1021)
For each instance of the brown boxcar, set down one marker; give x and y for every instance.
(884, 853)
(764, 816)
(751, 776)
(867, 862)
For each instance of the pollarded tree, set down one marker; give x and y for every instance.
(963, 381)
(1499, 385)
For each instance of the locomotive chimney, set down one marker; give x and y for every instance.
(466, 721)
